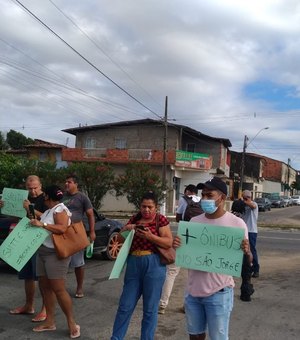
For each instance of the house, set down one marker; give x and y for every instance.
(262, 175)
(186, 155)
(43, 151)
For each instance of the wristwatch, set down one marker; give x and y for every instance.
(45, 225)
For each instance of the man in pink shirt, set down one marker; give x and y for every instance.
(209, 296)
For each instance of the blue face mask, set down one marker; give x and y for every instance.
(208, 206)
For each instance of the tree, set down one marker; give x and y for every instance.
(138, 179)
(295, 185)
(96, 179)
(17, 140)
(3, 144)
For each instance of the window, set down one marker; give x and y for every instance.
(90, 143)
(190, 147)
(120, 143)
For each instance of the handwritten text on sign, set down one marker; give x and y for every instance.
(22, 243)
(13, 202)
(210, 248)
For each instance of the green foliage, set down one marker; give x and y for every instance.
(295, 185)
(15, 169)
(138, 179)
(96, 179)
(17, 140)
(3, 144)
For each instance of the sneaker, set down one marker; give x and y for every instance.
(255, 274)
(161, 310)
(245, 298)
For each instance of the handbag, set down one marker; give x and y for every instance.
(167, 256)
(71, 241)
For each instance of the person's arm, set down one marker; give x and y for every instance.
(250, 203)
(245, 246)
(61, 221)
(91, 220)
(164, 240)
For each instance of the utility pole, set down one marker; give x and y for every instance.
(242, 167)
(165, 147)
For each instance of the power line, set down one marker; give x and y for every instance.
(85, 59)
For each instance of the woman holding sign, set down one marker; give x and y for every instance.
(145, 274)
(52, 271)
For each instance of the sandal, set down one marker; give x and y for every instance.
(39, 317)
(20, 310)
(76, 334)
(44, 328)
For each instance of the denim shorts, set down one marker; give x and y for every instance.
(212, 312)
(77, 260)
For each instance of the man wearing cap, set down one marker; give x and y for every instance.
(250, 217)
(209, 296)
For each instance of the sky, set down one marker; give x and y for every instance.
(230, 68)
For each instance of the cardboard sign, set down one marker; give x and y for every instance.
(122, 257)
(13, 202)
(22, 243)
(210, 248)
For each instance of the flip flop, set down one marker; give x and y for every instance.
(20, 310)
(76, 334)
(79, 295)
(39, 317)
(44, 328)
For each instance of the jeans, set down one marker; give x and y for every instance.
(252, 240)
(145, 275)
(172, 272)
(212, 311)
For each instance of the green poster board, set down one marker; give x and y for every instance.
(122, 257)
(210, 248)
(22, 243)
(13, 202)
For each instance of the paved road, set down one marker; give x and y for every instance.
(272, 314)
(283, 217)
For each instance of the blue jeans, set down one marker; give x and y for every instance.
(252, 240)
(211, 311)
(145, 275)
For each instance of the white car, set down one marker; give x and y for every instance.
(296, 199)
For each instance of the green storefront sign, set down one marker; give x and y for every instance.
(190, 156)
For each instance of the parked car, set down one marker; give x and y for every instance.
(277, 202)
(263, 203)
(106, 242)
(7, 223)
(296, 199)
(287, 201)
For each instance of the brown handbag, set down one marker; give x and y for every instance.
(71, 241)
(167, 256)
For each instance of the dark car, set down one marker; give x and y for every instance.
(106, 242)
(263, 203)
(7, 223)
(277, 202)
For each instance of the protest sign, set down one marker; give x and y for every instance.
(122, 257)
(22, 243)
(210, 248)
(13, 202)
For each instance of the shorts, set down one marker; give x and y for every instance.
(49, 265)
(77, 260)
(28, 272)
(212, 312)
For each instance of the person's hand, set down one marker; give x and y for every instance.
(128, 227)
(36, 223)
(26, 204)
(92, 236)
(176, 242)
(245, 246)
(144, 233)
(1, 204)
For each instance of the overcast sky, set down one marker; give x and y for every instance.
(230, 68)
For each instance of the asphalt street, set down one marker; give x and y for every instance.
(272, 314)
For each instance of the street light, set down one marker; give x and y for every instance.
(243, 158)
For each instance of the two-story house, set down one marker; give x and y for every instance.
(187, 156)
